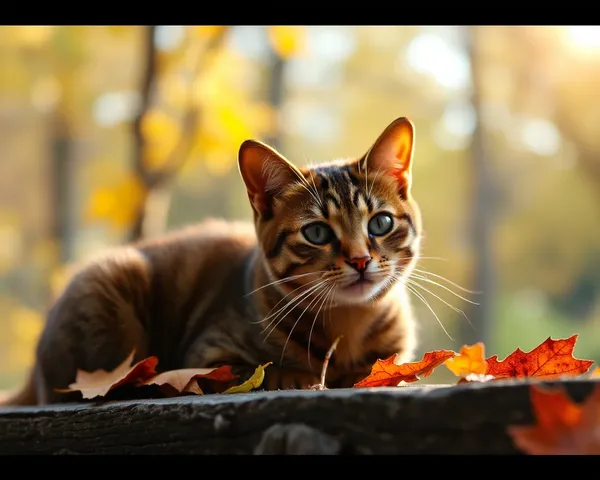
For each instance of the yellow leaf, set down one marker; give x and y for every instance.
(175, 91)
(236, 127)
(119, 29)
(10, 246)
(287, 41)
(253, 382)
(26, 324)
(60, 277)
(209, 31)
(35, 35)
(161, 134)
(119, 204)
(101, 204)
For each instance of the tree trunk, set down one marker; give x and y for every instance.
(482, 188)
(276, 92)
(147, 81)
(62, 183)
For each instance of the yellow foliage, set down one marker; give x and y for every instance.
(10, 247)
(161, 134)
(119, 29)
(235, 127)
(45, 252)
(118, 204)
(219, 162)
(175, 91)
(46, 92)
(34, 35)
(287, 41)
(25, 324)
(60, 277)
(209, 31)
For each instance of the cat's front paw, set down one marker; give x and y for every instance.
(282, 379)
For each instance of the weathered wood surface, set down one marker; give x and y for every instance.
(462, 419)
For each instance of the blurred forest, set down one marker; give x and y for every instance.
(112, 133)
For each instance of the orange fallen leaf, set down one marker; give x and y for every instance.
(99, 382)
(470, 360)
(385, 373)
(595, 372)
(563, 427)
(550, 359)
(185, 380)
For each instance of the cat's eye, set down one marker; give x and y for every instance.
(380, 224)
(318, 233)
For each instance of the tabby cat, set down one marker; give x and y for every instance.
(327, 255)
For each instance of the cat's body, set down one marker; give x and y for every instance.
(325, 257)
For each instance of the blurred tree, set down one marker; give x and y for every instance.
(482, 207)
(152, 179)
(285, 42)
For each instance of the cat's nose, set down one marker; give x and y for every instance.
(359, 264)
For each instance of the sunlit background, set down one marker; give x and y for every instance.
(113, 133)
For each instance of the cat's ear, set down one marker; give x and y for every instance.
(266, 174)
(392, 153)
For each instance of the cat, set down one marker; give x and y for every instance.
(326, 255)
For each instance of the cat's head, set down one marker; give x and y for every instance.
(348, 227)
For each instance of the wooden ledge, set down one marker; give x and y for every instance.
(456, 419)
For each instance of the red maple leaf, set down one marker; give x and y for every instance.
(550, 359)
(385, 373)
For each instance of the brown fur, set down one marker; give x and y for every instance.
(200, 297)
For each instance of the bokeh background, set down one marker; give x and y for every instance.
(112, 133)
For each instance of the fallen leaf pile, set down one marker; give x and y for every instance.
(563, 427)
(551, 359)
(170, 383)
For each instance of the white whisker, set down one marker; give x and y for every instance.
(283, 280)
(426, 273)
(267, 316)
(379, 170)
(314, 184)
(325, 298)
(425, 279)
(456, 309)
(304, 183)
(293, 302)
(316, 299)
(426, 303)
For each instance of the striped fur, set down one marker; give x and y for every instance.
(241, 294)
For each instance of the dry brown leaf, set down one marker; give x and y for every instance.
(550, 359)
(385, 373)
(99, 382)
(563, 427)
(193, 388)
(185, 380)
